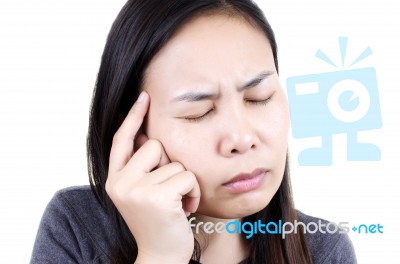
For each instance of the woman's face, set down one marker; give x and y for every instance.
(218, 108)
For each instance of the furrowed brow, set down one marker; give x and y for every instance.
(255, 81)
(193, 97)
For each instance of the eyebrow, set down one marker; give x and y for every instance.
(255, 81)
(194, 97)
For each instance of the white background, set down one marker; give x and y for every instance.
(49, 57)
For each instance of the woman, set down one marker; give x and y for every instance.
(205, 141)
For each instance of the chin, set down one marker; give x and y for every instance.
(251, 203)
(238, 208)
(249, 210)
(234, 214)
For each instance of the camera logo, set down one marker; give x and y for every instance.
(343, 101)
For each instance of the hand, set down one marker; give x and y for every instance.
(148, 189)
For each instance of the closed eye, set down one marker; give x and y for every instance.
(250, 101)
(259, 102)
(198, 118)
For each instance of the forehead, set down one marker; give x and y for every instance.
(209, 48)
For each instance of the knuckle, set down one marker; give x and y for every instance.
(111, 189)
(177, 166)
(110, 183)
(154, 145)
(190, 175)
(192, 178)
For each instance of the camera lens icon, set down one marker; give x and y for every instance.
(348, 101)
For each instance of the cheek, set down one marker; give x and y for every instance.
(177, 146)
(181, 141)
(282, 118)
(275, 125)
(182, 144)
(191, 149)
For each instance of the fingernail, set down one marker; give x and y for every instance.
(141, 97)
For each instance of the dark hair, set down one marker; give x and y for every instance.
(141, 29)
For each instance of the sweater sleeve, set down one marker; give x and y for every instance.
(63, 237)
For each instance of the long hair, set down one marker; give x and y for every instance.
(141, 29)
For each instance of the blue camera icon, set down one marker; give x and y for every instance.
(325, 104)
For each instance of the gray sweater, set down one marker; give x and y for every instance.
(75, 229)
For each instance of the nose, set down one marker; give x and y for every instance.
(238, 137)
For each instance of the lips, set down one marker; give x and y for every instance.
(245, 176)
(246, 181)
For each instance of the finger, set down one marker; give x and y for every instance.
(146, 158)
(164, 159)
(123, 140)
(185, 185)
(139, 141)
(192, 200)
(164, 173)
(185, 205)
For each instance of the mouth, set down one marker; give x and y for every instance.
(245, 182)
